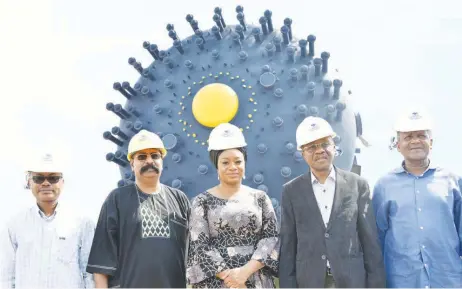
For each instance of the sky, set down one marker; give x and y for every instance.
(59, 60)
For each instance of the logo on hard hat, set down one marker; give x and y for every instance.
(227, 133)
(415, 115)
(314, 126)
(47, 158)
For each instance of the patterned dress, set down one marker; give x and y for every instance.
(226, 234)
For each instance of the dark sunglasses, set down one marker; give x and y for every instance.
(154, 156)
(51, 179)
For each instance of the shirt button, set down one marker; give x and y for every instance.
(326, 235)
(426, 265)
(421, 228)
(420, 209)
(323, 257)
(423, 246)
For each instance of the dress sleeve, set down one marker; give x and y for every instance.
(204, 261)
(103, 257)
(267, 249)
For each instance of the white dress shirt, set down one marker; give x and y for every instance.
(37, 251)
(324, 194)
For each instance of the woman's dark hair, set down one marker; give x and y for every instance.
(214, 154)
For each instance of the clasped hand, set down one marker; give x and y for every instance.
(234, 278)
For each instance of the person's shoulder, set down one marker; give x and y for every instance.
(446, 172)
(20, 217)
(295, 181)
(257, 193)
(177, 193)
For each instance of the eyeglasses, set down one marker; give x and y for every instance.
(314, 147)
(143, 157)
(51, 179)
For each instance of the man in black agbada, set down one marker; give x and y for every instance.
(141, 235)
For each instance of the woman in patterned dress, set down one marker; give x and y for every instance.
(233, 228)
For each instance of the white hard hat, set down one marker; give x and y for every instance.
(311, 129)
(46, 163)
(413, 120)
(145, 140)
(226, 136)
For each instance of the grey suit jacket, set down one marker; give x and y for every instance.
(349, 242)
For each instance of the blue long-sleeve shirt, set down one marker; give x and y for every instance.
(420, 229)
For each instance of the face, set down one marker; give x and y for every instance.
(46, 187)
(231, 166)
(319, 154)
(414, 145)
(147, 164)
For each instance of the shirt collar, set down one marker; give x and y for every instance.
(42, 214)
(402, 169)
(331, 176)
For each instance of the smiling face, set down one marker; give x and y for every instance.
(147, 165)
(46, 187)
(231, 166)
(414, 145)
(319, 155)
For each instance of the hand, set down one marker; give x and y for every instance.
(236, 278)
(223, 274)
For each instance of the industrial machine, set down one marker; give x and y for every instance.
(259, 77)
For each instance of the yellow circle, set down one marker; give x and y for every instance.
(215, 103)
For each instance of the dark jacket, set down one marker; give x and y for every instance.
(349, 242)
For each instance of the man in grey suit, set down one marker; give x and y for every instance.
(328, 231)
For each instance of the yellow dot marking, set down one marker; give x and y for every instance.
(203, 143)
(247, 127)
(179, 113)
(227, 73)
(188, 135)
(244, 86)
(215, 103)
(203, 77)
(182, 97)
(250, 99)
(189, 88)
(185, 123)
(250, 87)
(253, 93)
(216, 76)
(194, 135)
(190, 125)
(232, 77)
(254, 109)
(184, 129)
(181, 103)
(183, 108)
(243, 80)
(251, 120)
(237, 76)
(221, 73)
(179, 120)
(194, 83)
(196, 141)
(210, 75)
(255, 102)
(241, 129)
(189, 93)
(249, 115)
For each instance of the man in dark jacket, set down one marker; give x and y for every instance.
(328, 231)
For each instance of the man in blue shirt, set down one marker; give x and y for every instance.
(418, 213)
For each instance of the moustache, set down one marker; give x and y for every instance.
(149, 166)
